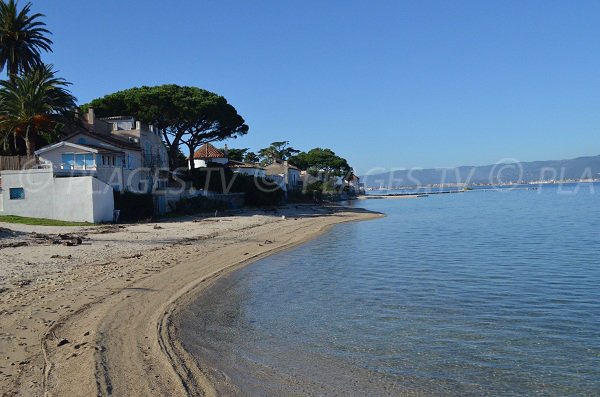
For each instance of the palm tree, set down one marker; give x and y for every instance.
(22, 38)
(35, 104)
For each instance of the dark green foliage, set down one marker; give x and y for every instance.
(259, 191)
(322, 160)
(305, 196)
(35, 105)
(251, 157)
(22, 38)
(133, 206)
(276, 151)
(318, 192)
(188, 116)
(198, 204)
(235, 154)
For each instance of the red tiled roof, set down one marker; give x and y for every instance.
(208, 151)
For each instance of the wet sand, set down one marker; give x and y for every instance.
(94, 316)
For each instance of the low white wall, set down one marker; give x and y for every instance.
(77, 199)
(203, 163)
(103, 201)
(260, 173)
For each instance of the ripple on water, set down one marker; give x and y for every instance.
(483, 294)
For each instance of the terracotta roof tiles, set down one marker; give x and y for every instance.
(208, 151)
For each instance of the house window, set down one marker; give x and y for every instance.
(78, 160)
(68, 160)
(84, 160)
(103, 160)
(17, 193)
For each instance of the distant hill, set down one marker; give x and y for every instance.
(579, 168)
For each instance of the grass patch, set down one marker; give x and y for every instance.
(39, 221)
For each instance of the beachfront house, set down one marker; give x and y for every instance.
(285, 174)
(76, 177)
(208, 154)
(354, 185)
(124, 153)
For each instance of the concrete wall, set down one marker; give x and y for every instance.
(103, 201)
(198, 163)
(257, 172)
(78, 199)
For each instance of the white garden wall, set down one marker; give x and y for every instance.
(38, 193)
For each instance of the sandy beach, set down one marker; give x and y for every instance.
(88, 310)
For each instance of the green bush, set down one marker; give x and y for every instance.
(308, 196)
(134, 206)
(259, 191)
(319, 191)
(198, 204)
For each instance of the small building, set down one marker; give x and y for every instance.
(287, 174)
(120, 151)
(75, 178)
(354, 185)
(208, 154)
(254, 170)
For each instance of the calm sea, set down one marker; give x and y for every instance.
(483, 293)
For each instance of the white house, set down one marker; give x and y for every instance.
(77, 176)
(288, 175)
(121, 152)
(354, 185)
(208, 154)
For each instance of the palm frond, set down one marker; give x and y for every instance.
(23, 37)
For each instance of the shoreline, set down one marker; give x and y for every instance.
(117, 333)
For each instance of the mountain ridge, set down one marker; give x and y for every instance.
(583, 167)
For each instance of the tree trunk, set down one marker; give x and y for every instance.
(173, 157)
(192, 166)
(30, 142)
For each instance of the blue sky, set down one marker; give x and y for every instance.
(383, 83)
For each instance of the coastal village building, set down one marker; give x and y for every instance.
(76, 177)
(285, 174)
(208, 154)
(355, 186)
(120, 151)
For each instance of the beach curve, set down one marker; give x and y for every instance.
(125, 343)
